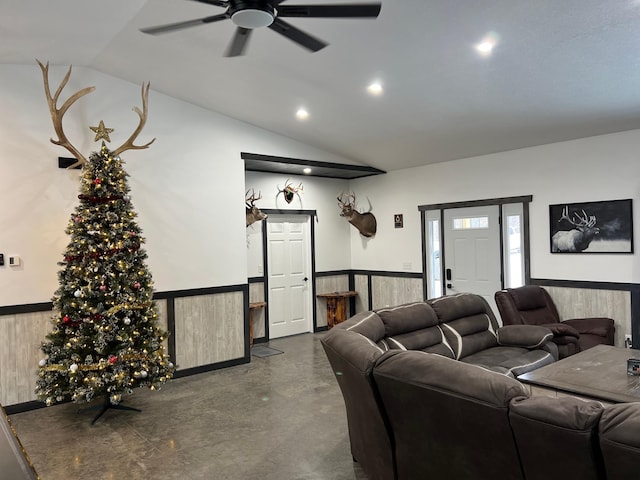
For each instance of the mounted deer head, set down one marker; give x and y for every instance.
(365, 222)
(58, 113)
(289, 191)
(253, 213)
(578, 238)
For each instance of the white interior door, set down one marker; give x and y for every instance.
(289, 271)
(472, 251)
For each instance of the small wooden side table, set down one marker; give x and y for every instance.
(252, 307)
(336, 306)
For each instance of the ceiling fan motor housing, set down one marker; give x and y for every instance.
(251, 13)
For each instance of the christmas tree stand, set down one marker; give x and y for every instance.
(106, 405)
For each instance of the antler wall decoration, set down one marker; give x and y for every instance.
(289, 191)
(58, 113)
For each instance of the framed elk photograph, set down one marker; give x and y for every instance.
(591, 227)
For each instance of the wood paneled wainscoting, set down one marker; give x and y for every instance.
(376, 289)
(208, 329)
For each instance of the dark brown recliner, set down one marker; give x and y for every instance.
(532, 305)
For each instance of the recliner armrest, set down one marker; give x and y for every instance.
(562, 329)
(526, 336)
(599, 326)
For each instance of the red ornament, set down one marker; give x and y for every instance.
(136, 285)
(103, 288)
(97, 181)
(113, 359)
(78, 219)
(65, 319)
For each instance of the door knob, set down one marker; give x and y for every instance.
(305, 279)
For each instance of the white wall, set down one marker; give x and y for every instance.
(319, 194)
(188, 187)
(597, 168)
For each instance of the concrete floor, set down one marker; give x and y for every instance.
(280, 417)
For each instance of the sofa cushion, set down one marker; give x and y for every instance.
(514, 360)
(413, 326)
(557, 437)
(467, 322)
(450, 307)
(407, 318)
(429, 340)
(469, 335)
(528, 336)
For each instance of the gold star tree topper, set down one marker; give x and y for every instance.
(101, 132)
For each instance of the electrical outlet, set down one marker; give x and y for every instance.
(627, 341)
(1, 259)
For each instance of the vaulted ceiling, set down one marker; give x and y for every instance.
(560, 69)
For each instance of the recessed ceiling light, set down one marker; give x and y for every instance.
(302, 114)
(307, 170)
(487, 44)
(375, 88)
(485, 47)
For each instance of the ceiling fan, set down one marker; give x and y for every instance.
(251, 14)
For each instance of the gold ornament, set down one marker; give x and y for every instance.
(101, 132)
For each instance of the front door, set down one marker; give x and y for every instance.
(472, 251)
(289, 271)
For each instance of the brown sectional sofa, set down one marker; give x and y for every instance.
(460, 327)
(422, 408)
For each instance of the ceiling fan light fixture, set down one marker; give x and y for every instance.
(252, 18)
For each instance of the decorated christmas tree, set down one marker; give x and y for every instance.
(105, 339)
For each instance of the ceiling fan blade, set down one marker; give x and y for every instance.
(170, 27)
(364, 10)
(239, 43)
(297, 35)
(220, 3)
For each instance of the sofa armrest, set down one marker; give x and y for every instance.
(594, 326)
(526, 336)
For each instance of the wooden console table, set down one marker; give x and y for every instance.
(337, 306)
(252, 307)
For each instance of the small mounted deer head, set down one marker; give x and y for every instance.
(253, 213)
(289, 191)
(365, 222)
(58, 113)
